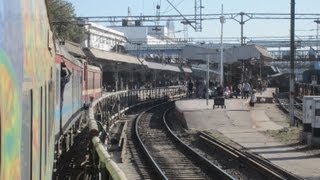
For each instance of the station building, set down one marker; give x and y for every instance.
(121, 71)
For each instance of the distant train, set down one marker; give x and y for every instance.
(280, 80)
(311, 76)
(35, 124)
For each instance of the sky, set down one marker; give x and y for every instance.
(211, 28)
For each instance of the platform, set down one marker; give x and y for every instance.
(245, 125)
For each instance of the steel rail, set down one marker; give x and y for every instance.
(209, 165)
(268, 169)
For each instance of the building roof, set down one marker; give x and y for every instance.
(161, 66)
(251, 52)
(62, 50)
(112, 56)
(231, 55)
(74, 48)
(186, 69)
(194, 68)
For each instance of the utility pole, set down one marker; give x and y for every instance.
(222, 20)
(318, 22)
(292, 54)
(208, 75)
(207, 94)
(241, 24)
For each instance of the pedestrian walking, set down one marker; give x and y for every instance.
(246, 90)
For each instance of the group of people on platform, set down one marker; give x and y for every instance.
(244, 90)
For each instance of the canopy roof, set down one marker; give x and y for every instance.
(231, 55)
(74, 48)
(186, 70)
(111, 56)
(248, 52)
(161, 66)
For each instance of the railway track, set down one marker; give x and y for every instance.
(264, 167)
(237, 165)
(167, 154)
(284, 104)
(135, 155)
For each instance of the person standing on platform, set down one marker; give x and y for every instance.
(253, 98)
(250, 105)
(237, 90)
(246, 90)
(240, 87)
(260, 87)
(190, 88)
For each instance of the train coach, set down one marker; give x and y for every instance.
(27, 91)
(83, 85)
(311, 76)
(36, 115)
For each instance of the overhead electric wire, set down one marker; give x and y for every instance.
(176, 5)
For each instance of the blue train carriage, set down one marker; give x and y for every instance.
(311, 76)
(27, 91)
(70, 108)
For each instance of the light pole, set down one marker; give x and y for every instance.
(208, 76)
(292, 54)
(222, 20)
(207, 94)
(318, 22)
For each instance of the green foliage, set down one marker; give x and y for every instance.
(63, 22)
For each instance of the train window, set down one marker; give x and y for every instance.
(40, 133)
(93, 79)
(50, 115)
(97, 80)
(45, 125)
(26, 132)
(92, 87)
(58, 86)
(90, 80)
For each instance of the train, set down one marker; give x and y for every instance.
(280, 81)
(311, 76)
(36, 113)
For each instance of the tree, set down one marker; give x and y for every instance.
(63, 21)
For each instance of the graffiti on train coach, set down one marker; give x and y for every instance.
(37, 60)
(10, 118)
(11, 77)
(26, 61)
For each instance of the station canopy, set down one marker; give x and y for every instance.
(203, 68)
(186, 70)
(74, 49)
(248, 52)
(231, 55)
(114, 62)
(161, 66)
(65, 52)
(116, 57)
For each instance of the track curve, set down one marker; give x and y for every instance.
(171, 158)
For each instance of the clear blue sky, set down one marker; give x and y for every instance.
(253, 28)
